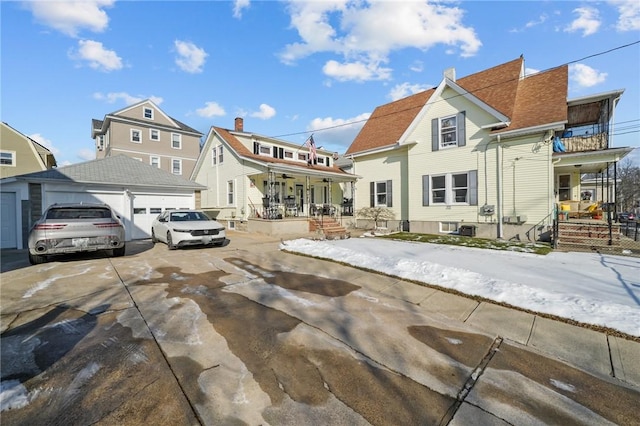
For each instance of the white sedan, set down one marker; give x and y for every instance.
(179, 228)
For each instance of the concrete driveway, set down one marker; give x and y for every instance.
(248, 334)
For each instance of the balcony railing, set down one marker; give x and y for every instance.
(595, 142)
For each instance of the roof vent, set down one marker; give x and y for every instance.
(450, 73)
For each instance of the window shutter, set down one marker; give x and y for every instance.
(473, 187)
(462, 133)
(280, 152)
(435, 139)
(327, 162)
(372, 195)
(256, 148)
(389, 194)
(425, 190)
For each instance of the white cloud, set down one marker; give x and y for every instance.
(45, 142)
(403, 90)
(585, 76)
(629, 19)
(97, 56)
(337, 132)
(211, 109)
(588, 21)
(86, 154)
(365, 33)
(356, 71)
(190, 58)
(530, 71)
(266, 112)
(128, 99)
(417, 66)
(238, 5)
(69, 17)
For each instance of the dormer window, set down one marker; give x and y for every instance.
(265, 149)
(448, 132)
(148, 113)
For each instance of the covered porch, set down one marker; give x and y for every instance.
(284, 194)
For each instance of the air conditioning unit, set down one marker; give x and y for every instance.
(488, 209)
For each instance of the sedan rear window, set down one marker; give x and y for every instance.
(79, 213)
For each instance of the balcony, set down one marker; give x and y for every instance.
(594, 142)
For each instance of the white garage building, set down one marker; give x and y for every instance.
(136, 191)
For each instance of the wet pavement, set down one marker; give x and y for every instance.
(249, 334)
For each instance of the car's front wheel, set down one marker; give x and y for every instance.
(154, 239)
(170, 242)
(36, 259)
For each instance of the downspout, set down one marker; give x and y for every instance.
(499, 187)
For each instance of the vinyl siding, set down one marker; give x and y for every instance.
(390, 165)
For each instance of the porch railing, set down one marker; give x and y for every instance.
(596, 142)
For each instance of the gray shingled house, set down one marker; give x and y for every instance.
(137, 191)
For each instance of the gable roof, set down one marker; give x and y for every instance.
(243, 152)
(40, 151)
(116, 170)
(527, 101)
(98, 126)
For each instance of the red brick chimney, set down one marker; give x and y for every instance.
(239, 124)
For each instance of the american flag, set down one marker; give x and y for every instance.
(312, 150)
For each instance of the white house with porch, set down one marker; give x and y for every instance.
(262, 184)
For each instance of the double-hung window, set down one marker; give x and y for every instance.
(176, 141)
(220, 155)
(7, 158)
(448, 132)
(450, 188)
(148, 113)
(136, 136)
(231, 193)
(381, 194)
(176, 166)
(154, 134)
(155, 161)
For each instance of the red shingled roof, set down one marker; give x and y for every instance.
(535, 100)
(244, 152)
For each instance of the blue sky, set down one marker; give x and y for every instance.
(291, 67)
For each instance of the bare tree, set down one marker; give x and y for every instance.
(628, 187)
(376, 214)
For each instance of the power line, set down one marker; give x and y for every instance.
(442, 100)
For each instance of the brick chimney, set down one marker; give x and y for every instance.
(239, 124)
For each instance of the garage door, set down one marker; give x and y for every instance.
(146, 207)
(9, 227)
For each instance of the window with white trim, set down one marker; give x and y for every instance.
(8, 158)
(381, 194)
(176, 141)
(320, 160)
(450, 189)
(148, 113)
(288, 155)
(265, 150)
(214, 156)
(155, 161)
(231, 193)
(136, 136)
(448, 132)
(176, 166)
(220, 155)
(302, 156)
(154, 134)
(100, 142)
(448, 227)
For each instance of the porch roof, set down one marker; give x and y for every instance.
(588, 162)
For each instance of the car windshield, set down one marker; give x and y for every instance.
(187, 216)
(79, 213)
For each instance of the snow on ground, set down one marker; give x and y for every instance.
(591, 288)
